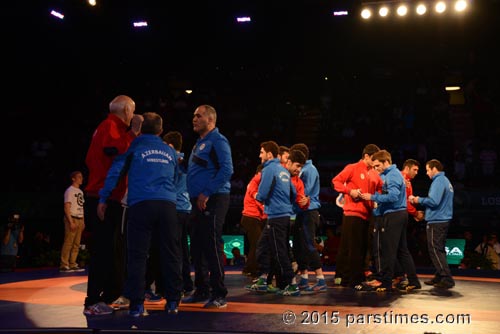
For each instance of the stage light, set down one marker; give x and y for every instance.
(440, 7)
(402, 10)
(383, 11)
(421, 9)
(452, 88)
(341, 13)
(57, 14)
(243, 19)
(92, 2)
(189, 91)
(366, 13)
(460, 5)
(140, 24)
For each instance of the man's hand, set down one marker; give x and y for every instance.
(355, 193)
(202, 202)
(136, 123)
(101, 210)
(366, 196)
(303, 201)
(420, 216)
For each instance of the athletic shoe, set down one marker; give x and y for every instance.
(444, 284)
(77, 269)
(121, 303)
(172, 307)
(303, 283)
(413, 286)
(218, 302)
(260, 285)
(432, 281)
(98, 309)
(373, 285)
(137, 311)
(151, 297)
(196, 297)
(272, 289)
(65, 270)
(400, 283)
(320, 286)
(289, 290)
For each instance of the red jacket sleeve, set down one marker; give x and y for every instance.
(340, 181)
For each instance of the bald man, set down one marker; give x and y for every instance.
(107, 268)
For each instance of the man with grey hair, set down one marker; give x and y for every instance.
(107, 244)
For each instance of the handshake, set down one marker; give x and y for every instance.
(420, 214)
(413, 199)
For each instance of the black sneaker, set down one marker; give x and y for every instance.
(413, 285)
(432, 281)
(218, 302)
(65, 270)
(373, 285)
(196, 298)
(444, 284)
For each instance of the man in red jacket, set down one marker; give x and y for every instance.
(107, 249)
(252, 221)
(409, 171)
(354, 179)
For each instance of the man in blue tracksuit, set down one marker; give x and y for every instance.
(208, 182)
(277, 193)
(438, 214)
(151, 167)
(390, 226)
(174, 139)
(306, 224)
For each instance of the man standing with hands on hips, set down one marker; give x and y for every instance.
(208, 181)
(438, 214)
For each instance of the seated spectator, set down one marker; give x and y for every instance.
(485, 248)
(238, 259)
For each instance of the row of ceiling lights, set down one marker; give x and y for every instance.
(420, 9)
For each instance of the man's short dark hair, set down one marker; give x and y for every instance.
(370, 149)
(297, 156)
(152, 124)
(301, 147)
(382, 156)
(174, 138)
(283, 149)
(435, 163)
(410, 163)
(73, 174)
(270, 146)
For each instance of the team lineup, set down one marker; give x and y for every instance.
(144, 196)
